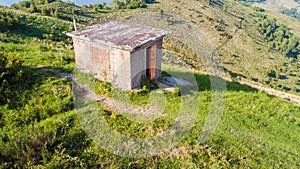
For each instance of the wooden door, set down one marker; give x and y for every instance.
(151, 62)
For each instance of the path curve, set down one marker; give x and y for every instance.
(146, 113)
(121, 106)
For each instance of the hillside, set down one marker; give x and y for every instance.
(279, 5)
(40, 126)
(242, 49)
(287, 7)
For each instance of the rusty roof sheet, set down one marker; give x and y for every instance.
(120, 35)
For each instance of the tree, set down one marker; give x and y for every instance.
(117, 4)
(208, 1)
(104, 5)
(51, 12)
(43, 11)
(10, 73)
(15, 6)
(55, 14)
(97, 6)
(129, 4)
(291, 12)
(225, 7)
(160, 11)
(23, 4)
(149, 1)
(74, 11)
(32, 8)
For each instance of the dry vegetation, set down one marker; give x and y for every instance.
(277, 6)
(232, 31)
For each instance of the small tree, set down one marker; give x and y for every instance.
(97, 6)
(104, 5)
(225, 8)
(160, 11)
(208, 1)
(32, 8)
(23, 4)
(74, 11)
(10, 74)
(15, 6)
(43, 11)
(116, 4)
(55, 14)
(51, 12)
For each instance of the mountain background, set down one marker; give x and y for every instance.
(279, 5)
(77, 2)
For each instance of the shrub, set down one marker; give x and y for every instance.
(146, 83)
(10, 74)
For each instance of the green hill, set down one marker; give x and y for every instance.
(39, 127)
(247, 45)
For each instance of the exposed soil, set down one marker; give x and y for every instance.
(150, 112)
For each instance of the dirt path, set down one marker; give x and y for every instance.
(287, 96)
(144, 113)
(290, 97)
(148, 110)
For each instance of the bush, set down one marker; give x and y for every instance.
(8, 21)
(10, 75)
(278, 37)
(146, 83)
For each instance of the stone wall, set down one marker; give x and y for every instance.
(122, 68)
(82, 54)
(138, 67)
(139, 63)
(158, 57)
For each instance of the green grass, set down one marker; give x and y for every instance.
(39, 40)
(40, 128)
(241, 49)
(256, 130)
(37, 54)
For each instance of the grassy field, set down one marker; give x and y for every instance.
(241, 49)
(44, 131)
(40, 128)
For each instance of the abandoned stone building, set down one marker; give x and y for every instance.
(119, 52)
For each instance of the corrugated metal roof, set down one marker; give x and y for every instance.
(120, 35)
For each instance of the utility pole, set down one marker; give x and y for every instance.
(74, 21)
